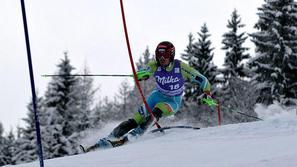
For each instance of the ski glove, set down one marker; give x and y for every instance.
(207, 95)
(207, 99)
(143, 75)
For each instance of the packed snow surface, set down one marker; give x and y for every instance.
(272, 142)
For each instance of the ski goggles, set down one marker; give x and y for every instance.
(162, 53)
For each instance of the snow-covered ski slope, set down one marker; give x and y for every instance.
(268, 143)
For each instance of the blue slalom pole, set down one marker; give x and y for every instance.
(37, 125)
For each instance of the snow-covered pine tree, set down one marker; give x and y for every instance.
(63, 111)
(54, 144)
(149, 84)
(104, 111)
(144, 59)
(237, 93)
(10, 147)
(96, 116)
(199, 55)
(62, 94)
(27, 142)
(187, 57)
(3, 160)
(275, 64)
(235, 52)
(128, 98)
(86, 97)
(238, 96)
(123, 104)
(203, 55)
(189, 51)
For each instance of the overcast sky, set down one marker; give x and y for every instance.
(92, 32)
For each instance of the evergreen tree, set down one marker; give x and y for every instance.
(203, 55)
(235, 52)
(124, 104)
(16, 145)
(199, 55)
(96, 116)
(63, 111)
(55, 144)
(187, 56)
(6, 147)
(86, 96)
(236, 93)
(144, 59)
(275, 64)
(10, 147)
(237, 96)
(149, 84)
(27, 143)
(3, 160)
(63, 96)
(104, 111)
(127, 100)
(189, 51)
(135, 99)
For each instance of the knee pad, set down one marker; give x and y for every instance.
(160, 109)
(140, 119)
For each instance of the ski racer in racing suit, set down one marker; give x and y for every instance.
(165, 100)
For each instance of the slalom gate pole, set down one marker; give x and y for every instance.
(213, 102)
(39, 145)
(133, 67)
(219, 113)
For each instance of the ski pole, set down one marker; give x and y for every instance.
(88, 75)
(249, 115)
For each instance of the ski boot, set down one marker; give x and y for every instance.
(116, 137)
(104, 143)
(140, 129)
(101, 144)
(135, 133)
(88, 149)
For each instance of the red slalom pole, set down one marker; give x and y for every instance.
(133, 67)
(219, 113)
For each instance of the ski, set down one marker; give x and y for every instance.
(174, 127)
(120, 142)
(117, 143)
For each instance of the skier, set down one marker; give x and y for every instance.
(170, 75)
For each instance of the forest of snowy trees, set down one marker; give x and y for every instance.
(67, 109)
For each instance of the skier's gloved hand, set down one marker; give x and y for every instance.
(208, 100)
(143, 75)
(207, 95)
